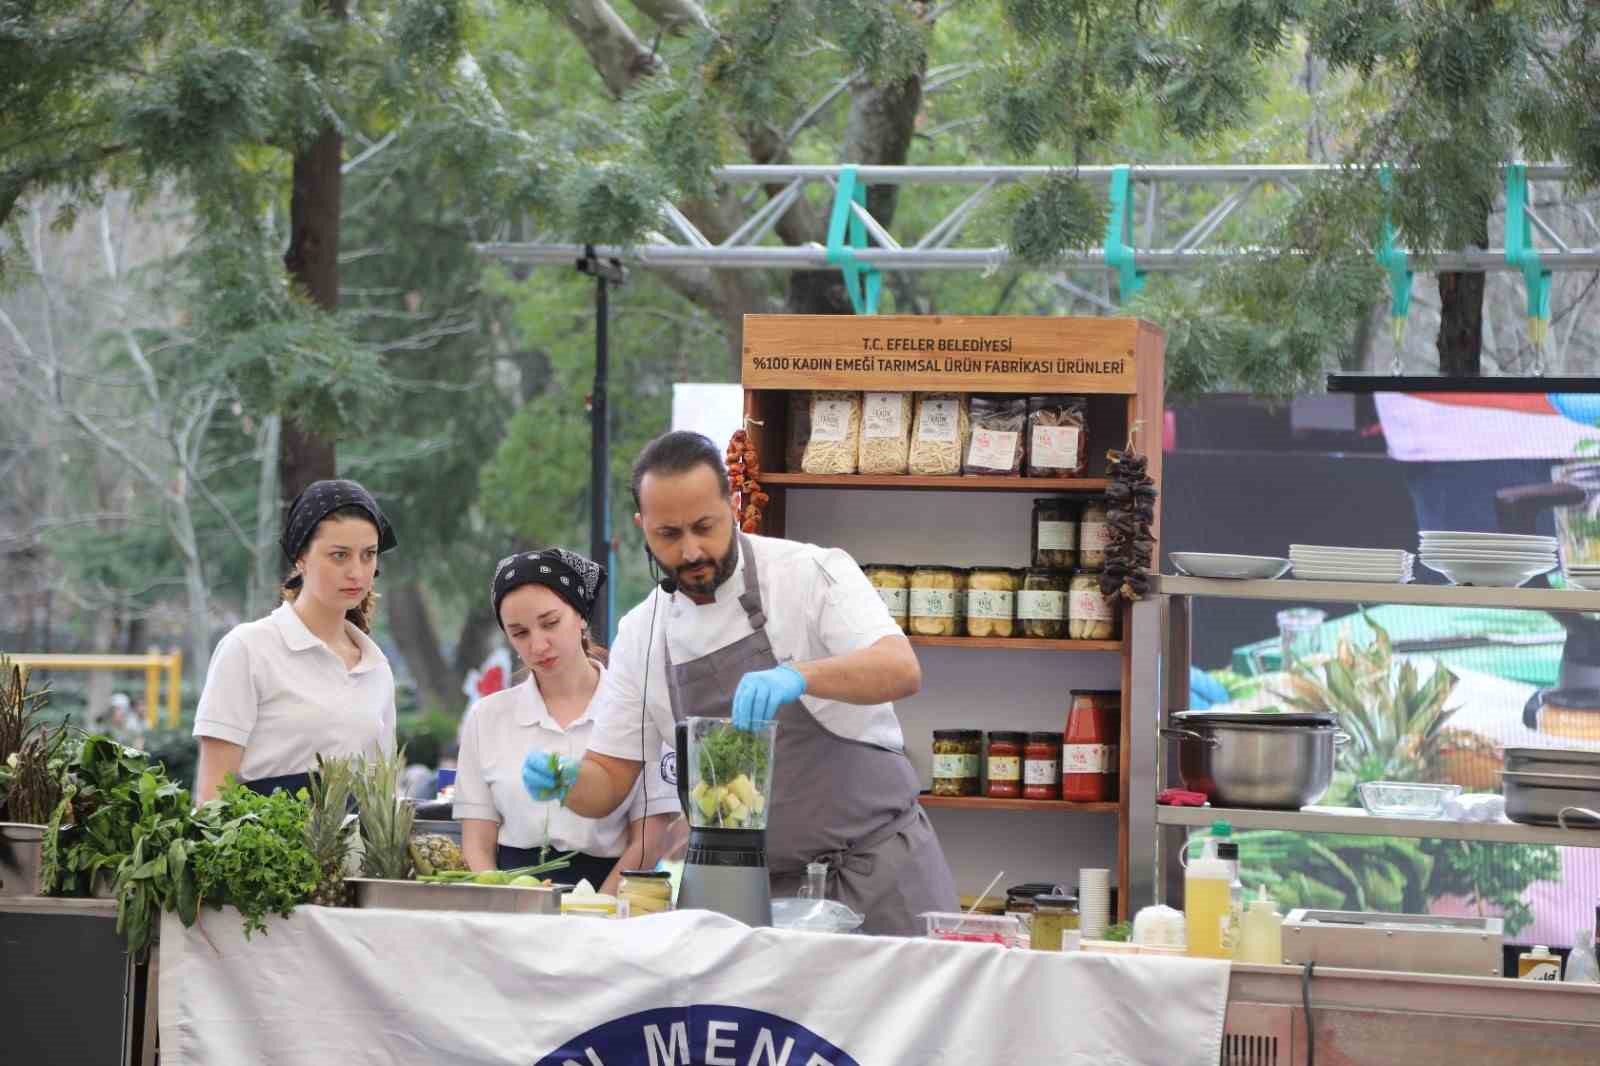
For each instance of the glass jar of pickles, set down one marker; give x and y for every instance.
(1005, 764)
(1090, 616)
(894, 587)
(647, 891)
(934, 595)
(1055, 533)
(992, 602)
(1042, 603)
(956, 755)
(1055, 918)
(1094, 536)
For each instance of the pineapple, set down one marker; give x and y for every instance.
(329, 827)
(434, 853)
(386, 818)
(1395, 720)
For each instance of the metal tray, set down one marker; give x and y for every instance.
(427, 896)
(1407, 943)
(21, 856)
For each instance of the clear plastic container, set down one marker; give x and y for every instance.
(730, 774)
(1000, 929)
(1406, 799)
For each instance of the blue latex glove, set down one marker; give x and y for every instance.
(541, 783)
(762, 692)
(1205, 690)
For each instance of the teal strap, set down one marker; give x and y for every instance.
(863, 283)
(1520, 252)
(1393, 260)
(1119, 235)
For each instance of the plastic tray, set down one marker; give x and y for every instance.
(974, 928)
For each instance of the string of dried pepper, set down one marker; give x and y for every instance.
(744, 472)
(1130, 513)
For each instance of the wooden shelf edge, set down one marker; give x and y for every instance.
(984, 803)
(955, 483)
(1016, 643)
(1353, 821)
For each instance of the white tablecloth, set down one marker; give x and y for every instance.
(397, 987)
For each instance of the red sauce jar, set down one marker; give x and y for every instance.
(1041, 767)
(1089, 757)
(1005, 765)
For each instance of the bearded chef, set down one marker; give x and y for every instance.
(758, 628)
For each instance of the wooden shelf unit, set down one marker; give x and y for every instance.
(985, 803)
(1115, 362)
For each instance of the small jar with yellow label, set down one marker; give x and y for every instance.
(1005, 764)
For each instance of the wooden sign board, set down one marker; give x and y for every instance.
(958, 353)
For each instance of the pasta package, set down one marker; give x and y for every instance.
(998, 425)
(835, 433)
(799, 430)
(1058, 436)
(885, 432)
(939, 434)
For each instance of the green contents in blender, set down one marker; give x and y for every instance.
(730, 762)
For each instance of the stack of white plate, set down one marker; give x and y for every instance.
(1499, 560)
(1318, 562)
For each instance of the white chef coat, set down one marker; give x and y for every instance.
(818, 605)
(497, 734)
(275, 689)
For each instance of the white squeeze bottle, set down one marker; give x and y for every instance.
(1205, 896)
(1261, 932)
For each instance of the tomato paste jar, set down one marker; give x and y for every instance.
(1041, 767)
(1089, 756)
(1005, 764)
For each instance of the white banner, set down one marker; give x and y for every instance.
(689, 989)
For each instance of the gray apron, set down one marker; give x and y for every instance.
(850, 804)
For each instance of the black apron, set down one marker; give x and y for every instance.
(850, 804)
(594, 868)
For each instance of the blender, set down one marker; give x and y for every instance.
(724, 784)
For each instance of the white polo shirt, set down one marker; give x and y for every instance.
(275, 689)
(497, 734)
(818, 605)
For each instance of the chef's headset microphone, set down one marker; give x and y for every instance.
(669, 585)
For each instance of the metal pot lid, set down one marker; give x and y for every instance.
(1572, 699)
(1255, 718)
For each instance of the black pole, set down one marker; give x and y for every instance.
(606, 272)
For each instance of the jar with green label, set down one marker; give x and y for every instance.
(1055, 533)
(894, 588)
(1042, 603)
(956, 755)
(992, 602)
(934, 600)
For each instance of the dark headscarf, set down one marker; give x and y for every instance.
(319, 500)
(568, 574)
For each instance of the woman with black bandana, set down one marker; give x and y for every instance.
(542, 601)
(307, 679)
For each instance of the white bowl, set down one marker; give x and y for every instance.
(1504, 538)
(1494, 574)
(1489, 557)
(1230, 567)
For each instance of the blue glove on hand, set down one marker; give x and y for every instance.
(547, 776)
(761, 693)
(1205, 690)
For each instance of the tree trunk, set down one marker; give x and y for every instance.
(1461, 316)
(197, 593)
(262, 585)
(312, 260)
(438, 687)
(478, 631)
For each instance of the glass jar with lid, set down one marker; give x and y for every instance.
(992, 601)
(1041, 767)
(1090, 616)
(1042, 603)
(894, 587)
(1005, 764)
(956, 754)
(1055, 923)
(1094, 536)
(1020, 901)
(1055, 532)
(933, 599)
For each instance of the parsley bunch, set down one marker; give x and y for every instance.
(252, 854)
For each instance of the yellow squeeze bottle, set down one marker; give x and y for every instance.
(1206, 901)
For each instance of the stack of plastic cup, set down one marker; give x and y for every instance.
(1094, 902)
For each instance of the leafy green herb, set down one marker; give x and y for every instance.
(252, 854)
(1120, 933)
(727, 751)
